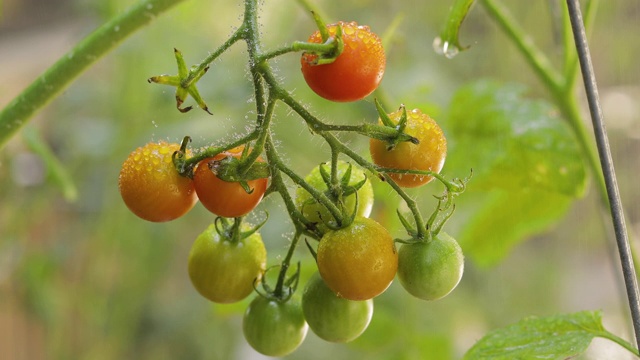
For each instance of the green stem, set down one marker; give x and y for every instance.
(619, 341)
(237, 35)
(277, 183)
(18, 112)
(534, 56)
(558, 86)
(421, 228)
(279, 290)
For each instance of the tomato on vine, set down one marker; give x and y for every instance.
(318, 213)
(274, 327)
(223, 266)
(225, 198)
(431, 270)
(355, 73)
(150, 185)
(428, 155)
(359, 261)
(331, 317)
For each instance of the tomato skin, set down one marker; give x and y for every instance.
(317, 213)
(358, 262)
(223, 198)
(224, 271)
(430, 271)
(274, 328)
(355, 73)
(429, 154)
(331, 317)
(150, 185)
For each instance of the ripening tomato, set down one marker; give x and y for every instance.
(224, 198)
(317, 213)
(431, 270)
(331, 317)
(223, 270)
(359, 261)
(273, 327)
(429, 154)
(355, 73)
(150, 185)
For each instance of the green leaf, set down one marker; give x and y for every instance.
(555, 337)
(447, 43)
(527, 167)
(512, 142)
(506, 218)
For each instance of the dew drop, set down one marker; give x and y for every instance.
(445, 48)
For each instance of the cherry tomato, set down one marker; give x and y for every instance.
(223, 198)
(429, 154)
(355, 73)
(331, 317)
(274, 328)
(317, 213)
(222, 270)
(431, 270)
(358, 262)
(150, 185)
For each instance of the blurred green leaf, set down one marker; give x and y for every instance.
(526, 164)
(507, 218)
(512, 142)
(554, 337)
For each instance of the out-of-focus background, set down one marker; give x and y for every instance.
(88, 280)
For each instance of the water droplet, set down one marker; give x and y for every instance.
(445, 48)
(116, 28)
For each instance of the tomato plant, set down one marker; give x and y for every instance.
(150, 185)
(428, 155)
(274, 327)
(226, 198)
(225, 262)
(430, 270)
(355, 73)
(523, 159)
(359, 261)
(331, 317)
(318, 213)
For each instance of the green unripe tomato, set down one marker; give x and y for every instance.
(333, 318)
(224, 271)
(317, 213)
(274, 328)
(430, 271)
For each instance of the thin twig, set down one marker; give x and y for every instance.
(615, 203)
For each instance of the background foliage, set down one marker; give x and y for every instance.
(86, 279)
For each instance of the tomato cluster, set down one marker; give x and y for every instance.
(357, 257)
(152, 188)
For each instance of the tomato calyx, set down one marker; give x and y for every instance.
(390, 132)
(329, 50)
(336, 192)
(233, 232)
(185, 83)
(426, 232)
(230, 168)
(285, 287)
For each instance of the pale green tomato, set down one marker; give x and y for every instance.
(317, 213)
(224, 271)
